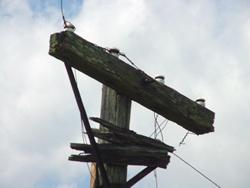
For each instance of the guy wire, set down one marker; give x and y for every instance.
(206, 177)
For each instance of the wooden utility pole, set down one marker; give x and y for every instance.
(116, 109)
(123, 83)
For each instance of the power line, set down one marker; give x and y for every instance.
(202, 174)
(63, 17)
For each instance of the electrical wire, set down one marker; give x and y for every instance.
(202, 174)
(182, 142)
(184, 138)
(123, 55)
(63, 17)
(67, 25)
(157, 126)
(163, 125)
(160, 127)
(129, 60)
(156, 178)
(85, 141)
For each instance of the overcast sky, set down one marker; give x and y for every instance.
(202, 48)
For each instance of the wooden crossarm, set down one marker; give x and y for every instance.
(131, 82)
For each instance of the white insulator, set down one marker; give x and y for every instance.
(201, 102)
(160, 79)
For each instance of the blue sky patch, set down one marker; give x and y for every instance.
(71, 8)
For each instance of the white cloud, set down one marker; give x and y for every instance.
(201, 47)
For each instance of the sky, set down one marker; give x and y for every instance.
(201, 47)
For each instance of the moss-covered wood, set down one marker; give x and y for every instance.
(123, 155)
(124, 159)
(124, 147)
(133, 83)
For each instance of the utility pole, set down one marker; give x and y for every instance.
(122, 83)
(115, 108)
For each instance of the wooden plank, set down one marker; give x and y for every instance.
(128, 139)
(130, 151)
(133, 83)
(121, 160)
(123, 140)
(123, 136)
(111, 126)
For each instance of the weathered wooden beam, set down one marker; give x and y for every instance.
(111, 126)
(123, 160)
(125, 79)
(128, 150)
(122, 136)
(126, 139)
